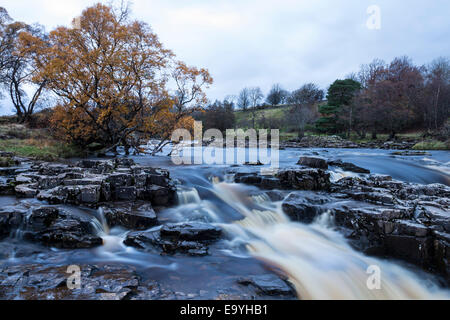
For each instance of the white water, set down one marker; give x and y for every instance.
(318, 261)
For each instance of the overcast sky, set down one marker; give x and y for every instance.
(262, 42)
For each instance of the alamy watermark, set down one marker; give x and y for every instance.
(374, 280)
(374, 20)
(74, 280)
(212, 148)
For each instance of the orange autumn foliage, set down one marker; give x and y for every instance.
(113, 78)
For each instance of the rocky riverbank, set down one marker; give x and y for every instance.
(337, 142)
(121, 194)
(379, 215)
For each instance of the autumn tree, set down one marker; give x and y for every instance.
(392, 96)
(188, 98)
(112, 77)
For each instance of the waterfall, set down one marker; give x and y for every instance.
(317, 260)
(188, 196)
(99, 223)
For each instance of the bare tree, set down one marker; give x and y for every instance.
(256, 97)
(5, 44)
(438, 92)
(243, 100)
(303, 101)
(20, 69)
(277, 95)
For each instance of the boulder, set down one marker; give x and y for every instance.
(289, 179)
(97, 181)
(311, 162)
(268, 284)
(304, 179)
(191, 231)
(132, 215)
(10, 219)
(347, 166)
(57, 228)
(98, 282)
(298, 208)
(186, 238)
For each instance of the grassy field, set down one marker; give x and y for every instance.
(35, 143)
(275, 118)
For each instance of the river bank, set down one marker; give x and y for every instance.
(337, 142)
(139, 232)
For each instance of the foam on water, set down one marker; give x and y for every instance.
(318, 261)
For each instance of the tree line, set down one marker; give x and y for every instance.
(379, 98)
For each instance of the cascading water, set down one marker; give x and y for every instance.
(318, 261)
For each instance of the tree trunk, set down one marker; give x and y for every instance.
(392, 136)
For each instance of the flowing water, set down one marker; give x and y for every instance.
(259, 237)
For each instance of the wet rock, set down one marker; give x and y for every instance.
(80, 194)
(268, 284)
(145, 240)
(304, 179)
(257, 163)
(195, 231)
(57, 228)
(6, 186)
(97, 166)
(187, 238)
(5, 154)
(98, 282)
(311, 162)
(151, 241)
(298, 208)
(347, 166)
(414, 249)
(10, 219)
(159, 195)
(133, 215)
(95, 181)
(396, 219)
(289, 179)
(410, 153)
(25, 191)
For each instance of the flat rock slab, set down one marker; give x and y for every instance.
(97, 282)
(312, 162)
(195, 231)
(268, 284)
(185, 238)
(137, 215)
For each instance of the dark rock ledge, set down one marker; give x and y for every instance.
(189, 238)
(380, 216)
(92, 182)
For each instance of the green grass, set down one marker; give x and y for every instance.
(432, 145)
(43, 150)
(34, 143)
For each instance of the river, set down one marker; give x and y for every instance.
(259, 237)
